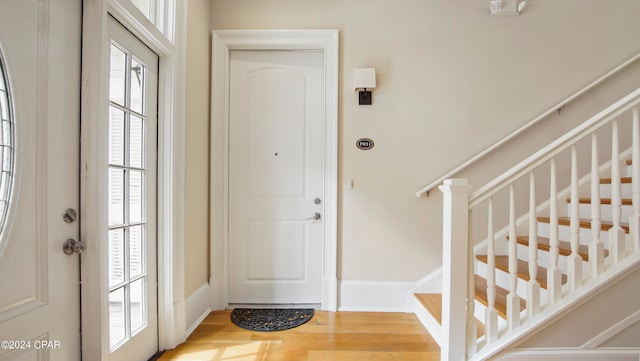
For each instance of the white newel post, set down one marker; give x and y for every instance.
(454, 269)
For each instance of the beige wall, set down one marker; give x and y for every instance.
(452, 80)
(197, 147)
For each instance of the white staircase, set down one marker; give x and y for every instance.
(550, 232)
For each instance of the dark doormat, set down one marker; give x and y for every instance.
(270, 319)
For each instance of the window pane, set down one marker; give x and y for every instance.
(4, 105)
(5, 181)
(136, 251)
(116, 136)
(136, 142)
(137, 86)
(7, 160)
(137, 305)
(116, 196)
(6, 133)
(136, 196)
(117, 75)
(116, 257)
(116, 316)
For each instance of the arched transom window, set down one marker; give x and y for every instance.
(6, 147)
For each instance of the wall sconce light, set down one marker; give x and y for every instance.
(364, 80)
(507, 7)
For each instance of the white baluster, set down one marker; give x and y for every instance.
(491, 314)
(472, 331)
(533, 287)
(513, 300)
(554, 277)
(616, 233)
(574, 267)
(596, 247)
(634, 220)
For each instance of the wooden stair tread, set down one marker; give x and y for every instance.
(432, 302)
(584, 223)
(603, 201)
(544, 244)
(501, 297)
(502, 263)
(622, 180)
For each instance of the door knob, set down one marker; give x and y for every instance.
(316, 217)
(72, 246)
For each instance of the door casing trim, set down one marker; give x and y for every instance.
(223, 42)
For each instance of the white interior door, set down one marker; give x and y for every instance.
(39, 143)
(276, 177)
(131, 209)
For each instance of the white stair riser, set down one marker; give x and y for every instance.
(564, 233)
(502, 279)
(544, 258)
(625, 190)
(606, 214)
(480, 312)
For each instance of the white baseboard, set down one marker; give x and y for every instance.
(374, 296)
(571, 354)
(197, 307)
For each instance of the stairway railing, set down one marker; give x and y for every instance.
(426, 189)
(561, 162)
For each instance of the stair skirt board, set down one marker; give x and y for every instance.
(571, 354)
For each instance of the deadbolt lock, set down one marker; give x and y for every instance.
(70, 215)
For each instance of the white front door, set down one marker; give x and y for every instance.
(39, 143)
(131, 208)
(276, 148)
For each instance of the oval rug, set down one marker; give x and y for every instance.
(270, 319)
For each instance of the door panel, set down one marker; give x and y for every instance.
(276, 173)
(40, 298)
(131, 208)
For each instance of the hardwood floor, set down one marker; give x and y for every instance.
(328, 336)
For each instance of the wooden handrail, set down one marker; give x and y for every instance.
(426, 189)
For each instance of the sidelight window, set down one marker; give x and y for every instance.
(127, 175)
